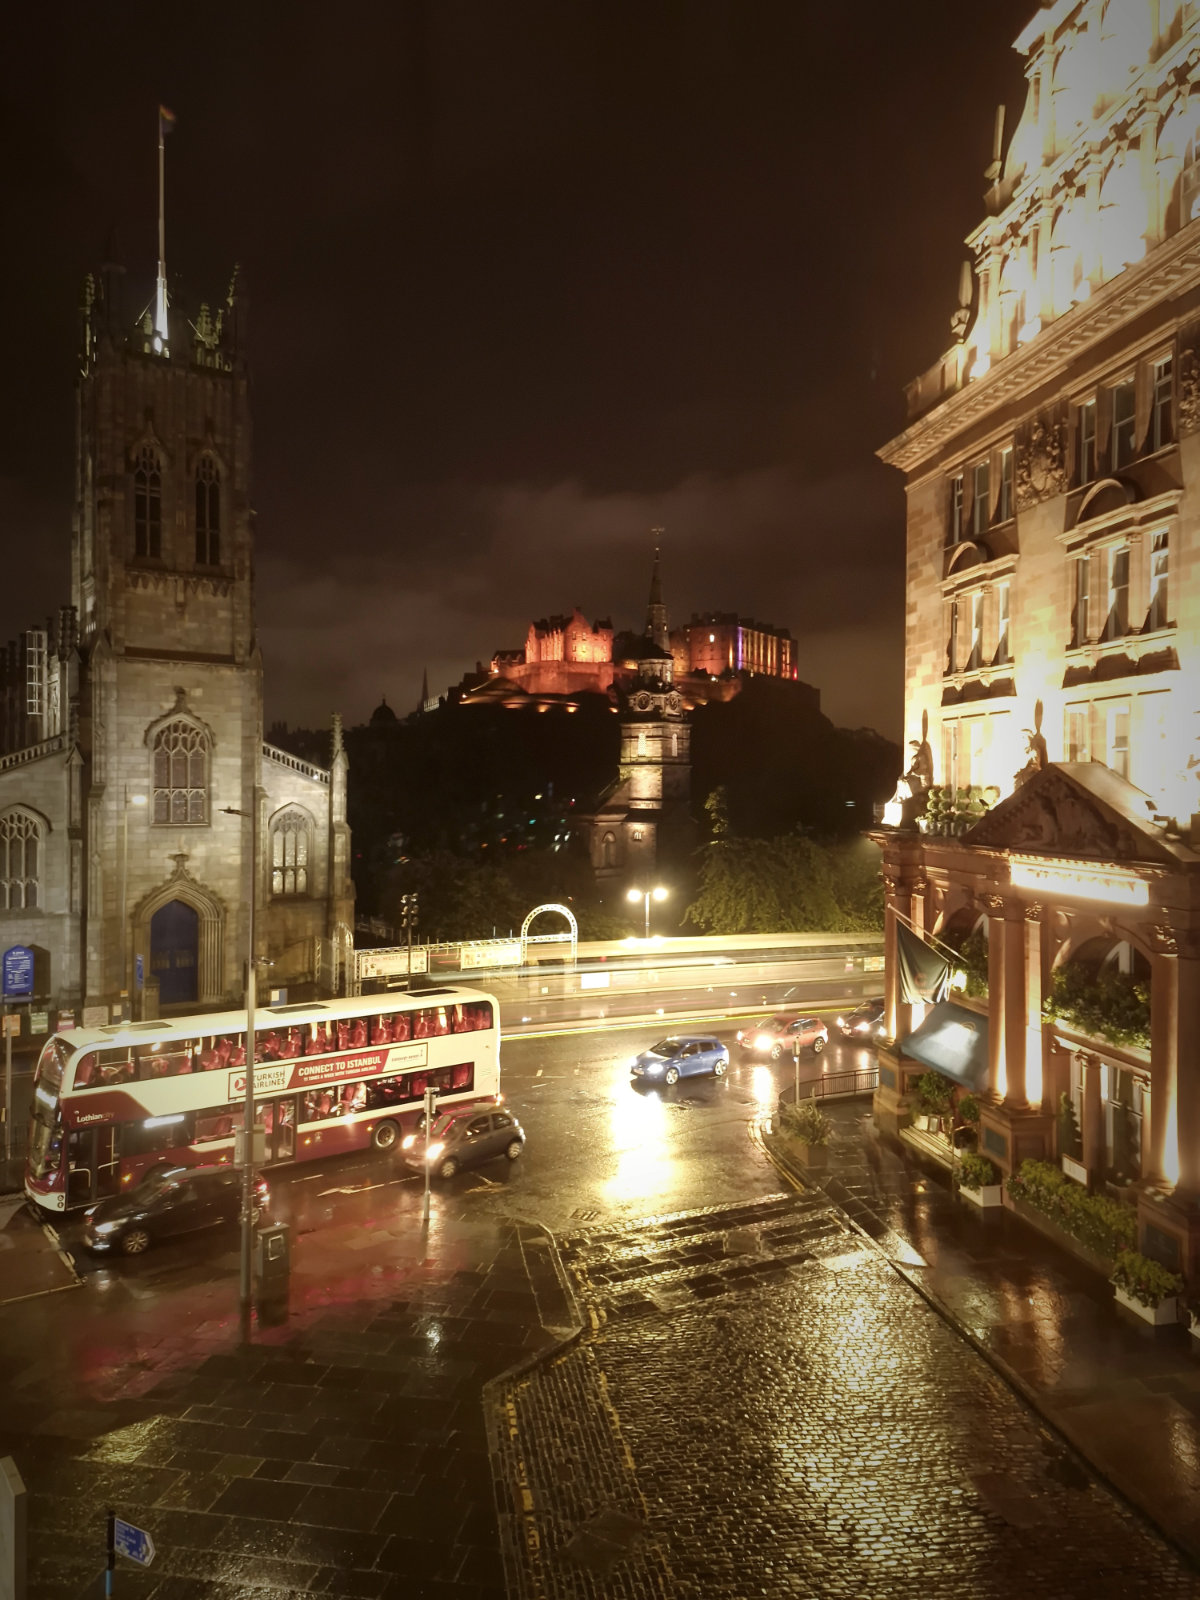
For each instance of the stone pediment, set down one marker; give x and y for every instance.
(1077, 810)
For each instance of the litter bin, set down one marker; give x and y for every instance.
(272, 1270)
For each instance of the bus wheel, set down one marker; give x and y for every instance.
(385, 1136)
(135, 1241)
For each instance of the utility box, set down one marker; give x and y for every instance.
(258, 1146)
(272, 1267)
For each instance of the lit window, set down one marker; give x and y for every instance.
(1079, 630)
(181, 773)
(976, 728)
(1075, 734)
(208, 513)
(1006, 485)
(980, 493)
(1160, 417)
(1003, 650)
(637, 836)
(1116, 736)
(1123, 424)
(1116, 625)
(1087, 442)
(1160, 555)
(956, 509)
(147, 505)
(950, 747)
(291, 837)
(975, 658)
(20, 845)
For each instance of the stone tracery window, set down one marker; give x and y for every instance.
(20, 860)
(291, 841)
(181, 752)
(147, 504)
(208, 513)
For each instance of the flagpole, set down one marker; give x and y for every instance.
(160, 309)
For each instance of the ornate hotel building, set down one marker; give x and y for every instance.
(1052, 674)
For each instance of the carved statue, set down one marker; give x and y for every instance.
(920, 766)
(1035, 756)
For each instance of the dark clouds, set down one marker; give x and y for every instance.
(527, 278)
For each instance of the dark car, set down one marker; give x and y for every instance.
(777, 1036)
(464, 1139)
(679, 1057)
(865, 1023)
(168, 1201)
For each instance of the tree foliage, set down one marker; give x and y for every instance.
(791, 884)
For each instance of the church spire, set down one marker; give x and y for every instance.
(656, 611)
(424, 689)
(166, 121)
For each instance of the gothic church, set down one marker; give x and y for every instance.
(131, 747)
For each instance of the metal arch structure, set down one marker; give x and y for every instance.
(571, 937)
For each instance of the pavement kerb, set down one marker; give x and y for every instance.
(1125, 1490)
(513, 1501)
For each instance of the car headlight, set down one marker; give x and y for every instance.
(408, 1141)
(434, 1150)
(655, 1067)
(105, 1227)
(741, 1033)
(841, 1022)
(763, 1042)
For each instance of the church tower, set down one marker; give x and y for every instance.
(137, 781)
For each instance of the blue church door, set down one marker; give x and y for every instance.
(174, 952)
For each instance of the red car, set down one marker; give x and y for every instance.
(777, 1036)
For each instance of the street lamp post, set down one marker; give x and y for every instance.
(246, 1291)
(130, 800)
(646, 895)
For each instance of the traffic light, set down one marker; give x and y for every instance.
(408, 911)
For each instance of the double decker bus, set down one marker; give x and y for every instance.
(329, 1076)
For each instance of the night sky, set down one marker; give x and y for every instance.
(526, 280)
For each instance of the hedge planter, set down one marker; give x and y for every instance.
(1037, 1219)
(1161, 1315)
(991, 1194)
(815, 1157)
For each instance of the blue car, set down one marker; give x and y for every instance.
(679, 1057)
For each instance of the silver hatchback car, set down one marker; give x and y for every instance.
(464, 1139)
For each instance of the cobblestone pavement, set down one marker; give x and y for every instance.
(343, 1454)
(1126, 1395)
(762, 1407)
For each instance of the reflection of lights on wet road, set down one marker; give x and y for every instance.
(639, 1138)
(763, 1085)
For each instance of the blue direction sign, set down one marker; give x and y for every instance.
(18, 971)
(133, 1542)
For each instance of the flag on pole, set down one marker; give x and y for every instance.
(166, 121)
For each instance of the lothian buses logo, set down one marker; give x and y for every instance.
(273, 1077)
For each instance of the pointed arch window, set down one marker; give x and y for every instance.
(291, 842)
(208, 513)
(20, 861)
(147, 504)
(608, 850)
(181, 756)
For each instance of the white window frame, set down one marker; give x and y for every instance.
(21, 848)
(1003, 621)
(1088, 464)
(1162, 394)
(981, 504)
(956, 508)
(1158, 614)
(1124, 428)
(1005, 509)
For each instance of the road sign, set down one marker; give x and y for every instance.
(18, 971)
(133, 1542)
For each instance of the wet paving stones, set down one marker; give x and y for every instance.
(808, 1431)
(344, 1454)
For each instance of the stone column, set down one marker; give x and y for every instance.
(997, 1077)
(1015, 1009)
(1092, 1121)
(898, 1015)
(1035, 1065)
(1188, 1057)
(1164, 1056)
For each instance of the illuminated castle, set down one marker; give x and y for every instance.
(1052, 671)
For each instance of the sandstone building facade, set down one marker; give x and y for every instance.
(1052, 672)
(133, 718)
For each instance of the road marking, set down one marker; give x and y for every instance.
(353, 1188)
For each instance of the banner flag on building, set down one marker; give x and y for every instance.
(924, 973)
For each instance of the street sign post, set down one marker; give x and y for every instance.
(126, 1540)
(430, 1105)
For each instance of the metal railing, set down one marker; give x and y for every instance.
(833, 1084)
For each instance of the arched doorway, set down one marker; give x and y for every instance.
(174, 953)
